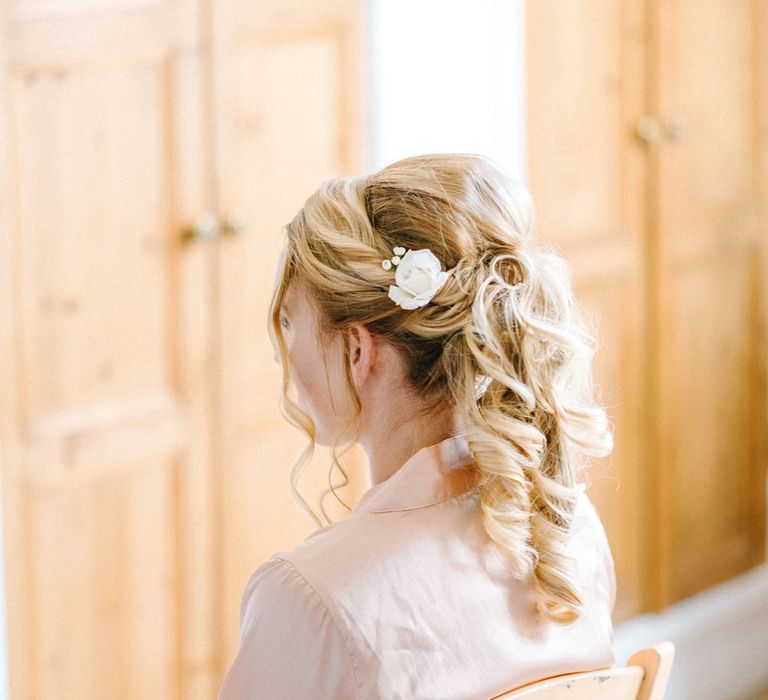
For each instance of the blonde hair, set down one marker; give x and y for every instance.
(502, 341)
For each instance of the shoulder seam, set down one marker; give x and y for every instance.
(338, 627)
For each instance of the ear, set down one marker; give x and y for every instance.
(362, 353)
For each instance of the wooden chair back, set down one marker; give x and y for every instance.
(644, 677)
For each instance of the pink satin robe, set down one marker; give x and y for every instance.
(404, 599)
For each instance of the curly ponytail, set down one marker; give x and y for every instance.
(502, 340)
(529, 415)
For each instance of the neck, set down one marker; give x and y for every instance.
(389, 447)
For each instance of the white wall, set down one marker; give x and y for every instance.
(449, 75)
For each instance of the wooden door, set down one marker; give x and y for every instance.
(706, 240)
(290, 112)
(648, 159)
(105, 359)
(587, 173)
(141, 441)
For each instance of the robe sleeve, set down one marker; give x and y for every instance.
(290, 646)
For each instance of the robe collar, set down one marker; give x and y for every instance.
(435, 473)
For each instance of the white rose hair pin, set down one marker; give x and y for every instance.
(418, 276)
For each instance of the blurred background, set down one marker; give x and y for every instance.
(151, 151)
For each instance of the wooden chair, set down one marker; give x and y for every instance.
(644, 677)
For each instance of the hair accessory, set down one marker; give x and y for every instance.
(419, 276)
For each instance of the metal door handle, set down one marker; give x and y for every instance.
(206, 228)
(648, 130)
(235, 224)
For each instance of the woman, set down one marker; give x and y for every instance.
(415, 316)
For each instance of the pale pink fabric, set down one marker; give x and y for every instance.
(406, 599)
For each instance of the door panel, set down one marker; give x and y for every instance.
(587, 174)
(712, 486)
(667, 238)
(107, 321)
(290, 97)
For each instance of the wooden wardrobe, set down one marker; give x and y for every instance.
(648, 155)
(151, 151)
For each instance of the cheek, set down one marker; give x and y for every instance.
(320, 391)
(336, 375)
(307, 374)
(318, 394)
